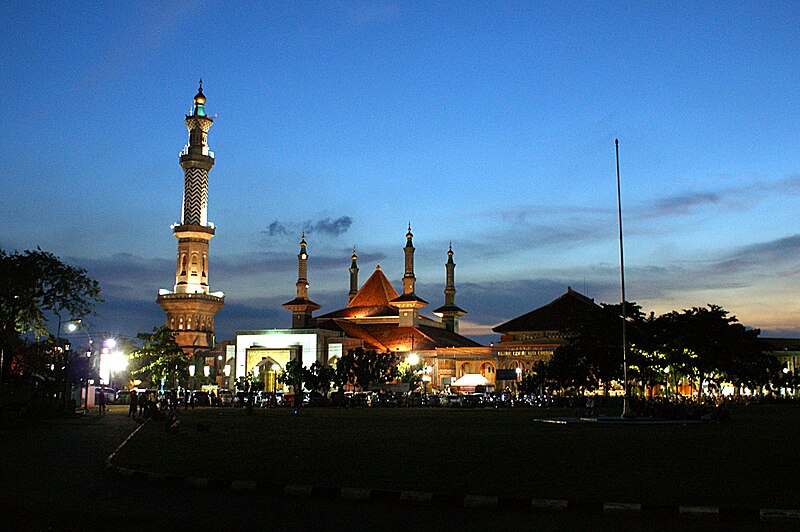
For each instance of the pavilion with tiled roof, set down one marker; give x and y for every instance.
(535, 335)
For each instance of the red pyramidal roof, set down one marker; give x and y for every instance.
(376, 292)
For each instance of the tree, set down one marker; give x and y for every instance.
(592, 354)
(295, 375)
(159, 358)
(361, 368)
(34, 283)
(320, 378)
(711, 344)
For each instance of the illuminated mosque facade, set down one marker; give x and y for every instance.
(376, 316)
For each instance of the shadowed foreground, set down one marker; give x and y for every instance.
(744, 463)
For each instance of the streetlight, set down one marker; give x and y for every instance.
(518, 371)
(73, 327)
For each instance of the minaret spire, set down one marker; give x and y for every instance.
(353, 276)
(196, 161)
(409, 280)
(191, 307)
(302, 269)
(302, 308)
(450, 312)
(409, 303)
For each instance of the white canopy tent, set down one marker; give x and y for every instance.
(468, 382)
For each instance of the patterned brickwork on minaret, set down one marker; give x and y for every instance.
(190, 307)
(195, 197)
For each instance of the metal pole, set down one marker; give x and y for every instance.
(88, 372)
(625, 410)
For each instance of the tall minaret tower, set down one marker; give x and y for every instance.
(301, 306)
(450, 312)
(409, 280)
(353, 276)
(409, 304)
(190, 307)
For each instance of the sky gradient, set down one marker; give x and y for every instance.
(488, 124)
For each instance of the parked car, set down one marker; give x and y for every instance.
(123, 397)
(473, 400)
(315, 399)
(240, 399)
(109, 393)
(225, 398)
(200, 398)
(452, 400)
(265, 400)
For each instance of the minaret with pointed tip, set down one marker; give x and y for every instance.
(302, 308)
(409, 304)
(409, 280)
(190, 307)
(353, 276)
(450, 312)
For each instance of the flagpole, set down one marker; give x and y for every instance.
(625, 407)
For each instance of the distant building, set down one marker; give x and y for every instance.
(536, 335)
(375, 317)
(786, 350)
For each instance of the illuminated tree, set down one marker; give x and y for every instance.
(159, 358)
(361, 368)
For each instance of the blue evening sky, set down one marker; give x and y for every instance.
(488, 124)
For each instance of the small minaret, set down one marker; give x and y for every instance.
(408, 304)
(301, 306)
(408, 279)
(450, 312)
(190, 307)
(353, 276)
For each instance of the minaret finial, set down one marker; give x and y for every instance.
(200, 101)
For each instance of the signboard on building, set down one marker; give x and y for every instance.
(506, 375)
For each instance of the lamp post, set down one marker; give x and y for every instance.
(73, 327)
(192, 369)
(275, 369)
(518, 371)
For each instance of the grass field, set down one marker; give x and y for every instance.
(750, 461)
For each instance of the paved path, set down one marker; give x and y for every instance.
(53, 479)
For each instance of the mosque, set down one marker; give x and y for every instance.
(376, 316)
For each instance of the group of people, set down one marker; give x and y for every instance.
(142, 404)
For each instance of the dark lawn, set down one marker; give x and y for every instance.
(750, 461)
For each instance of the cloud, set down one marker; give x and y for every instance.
(731, 197)
(681, 204)
(765, 257)
(276, 228)
(325, 226)
(537, 226)
(336, 227)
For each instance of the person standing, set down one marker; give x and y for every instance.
(134, 404)
(101, 402)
